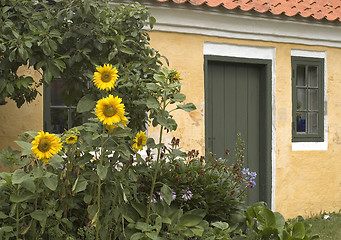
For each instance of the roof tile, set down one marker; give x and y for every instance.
(317, 9)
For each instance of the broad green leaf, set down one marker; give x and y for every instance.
(79, 185)
(51, 181)
(188, 107)
(280, 221)
(198, 230)
(3, 216)
(6, 229)
(179, 97)
(221, 225)
(144, 227)
(86, 104)
(21, 198)
(56, 161)
(29, 185)
(39, 215)
(137, 236)
(87, 198)
(140, 208)
(152, 86)
(25, 146)
(298, 230)
(268, 219)
(152, 103)
(190, 220)
(152, 21)
(166, 193)
(37, 172)
(102, 171)
(127, 50)
(152, 235)
(19, 176)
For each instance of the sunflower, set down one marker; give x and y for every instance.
(45, 145)
(110, 110)
(105, 77)
(112, 127)
(140, 141)
(71, 139)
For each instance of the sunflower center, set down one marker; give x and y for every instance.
(44, 145)
(139, 142)
(109, 111)
(106, 77)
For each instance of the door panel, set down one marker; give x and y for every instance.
(234, 92)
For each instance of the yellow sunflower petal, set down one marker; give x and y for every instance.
(140, 141)
(46, 145)
(110, 110)
(105, 77)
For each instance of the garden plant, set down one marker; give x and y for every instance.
(106, 179)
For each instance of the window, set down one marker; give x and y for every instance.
(307, 97)
(57, 116)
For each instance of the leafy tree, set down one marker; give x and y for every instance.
(68, 39)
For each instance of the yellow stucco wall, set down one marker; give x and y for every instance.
(14, 121)
(307, 182)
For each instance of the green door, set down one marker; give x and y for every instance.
(236, 103)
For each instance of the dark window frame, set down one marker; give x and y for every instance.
(48, 106)
(307, 63)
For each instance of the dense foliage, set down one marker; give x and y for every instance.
(68, 39)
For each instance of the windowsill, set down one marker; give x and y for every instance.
(309, 146)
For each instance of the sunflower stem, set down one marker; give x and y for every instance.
(99, 185)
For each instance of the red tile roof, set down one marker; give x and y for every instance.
(317, 9)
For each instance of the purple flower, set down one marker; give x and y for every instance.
(153, 199)
(187, 195)
(173, 195)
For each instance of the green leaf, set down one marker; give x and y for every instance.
(3, 216)
(140, 208)
(152, 235)
(41, 216)
(268, 219)
(6, 229)
(19, 176)
(198, 230)
(37, 172)
(179, 97)
(187, 107)
(166, 193)
(190, 220)
(152, 103)
(137, 236)
(21, 198)
(51, 181)
(79, 185)
(102, 171)
(298, 230)
(29, 185)
(56, 161)
(221, 225)
(152, 21)
(152, 86)
(25, 146)
(85, 104)
(127, 50)
(87, 198)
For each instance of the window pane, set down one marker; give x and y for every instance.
(300, 76)
(301, 122)
(301, 99)
(312, 122)
(56, 92)
(59, 120)
(313, 99)
(312, 76)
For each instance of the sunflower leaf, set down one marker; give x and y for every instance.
(25, 146)
(85, 104)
